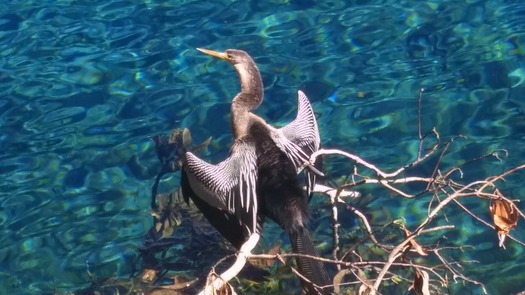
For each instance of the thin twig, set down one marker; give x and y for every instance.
(419, 99)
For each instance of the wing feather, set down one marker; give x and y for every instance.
(303, 132)
(229, 185)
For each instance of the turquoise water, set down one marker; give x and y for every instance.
(85, 85)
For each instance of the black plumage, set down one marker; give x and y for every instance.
(260, 177)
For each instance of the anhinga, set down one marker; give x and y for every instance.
(259, 179)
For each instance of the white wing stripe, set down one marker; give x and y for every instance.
(222, 185)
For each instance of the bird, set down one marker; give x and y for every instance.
(259, 179)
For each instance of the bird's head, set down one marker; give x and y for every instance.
(252, 90)
(233, 56)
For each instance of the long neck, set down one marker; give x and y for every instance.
(248, 99)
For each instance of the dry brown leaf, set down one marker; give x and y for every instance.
(227, 289)
(167, 216)
(186, 137)
(179, 284)
(363, 290)
(505, 216)
(362, 275)
(170, 223)
(174, 289)
(158, 226)
(163, 200)
(338, 279)
(257, 262)
(264, 263)
(148, 275)
(421, 283)
(419, 249)
(276, 249)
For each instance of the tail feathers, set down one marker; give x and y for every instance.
(312, 269)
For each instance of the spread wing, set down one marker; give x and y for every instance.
(304, 133)
(230, 185)
(223, 221)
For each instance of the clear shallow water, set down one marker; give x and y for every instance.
(84, 85)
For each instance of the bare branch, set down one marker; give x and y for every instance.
(218, 282)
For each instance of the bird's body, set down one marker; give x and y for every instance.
(259, 179)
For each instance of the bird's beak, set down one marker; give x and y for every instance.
(221, 55)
